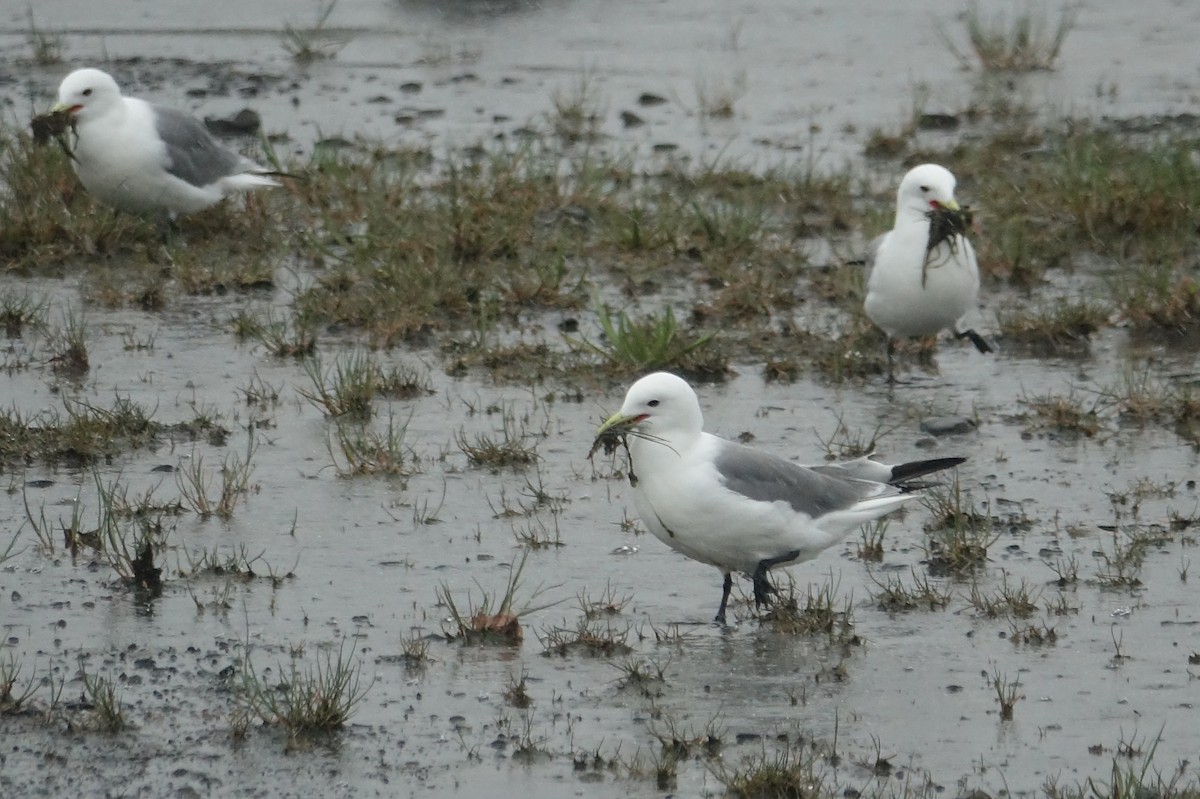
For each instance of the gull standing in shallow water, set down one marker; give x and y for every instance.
(144, 158)
(734, 507)
(924, 276)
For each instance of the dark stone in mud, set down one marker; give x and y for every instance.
(648, 99)
(747, 737)
(164, 468)
(665, 147)
(631, 120)
(412, 87)
(947, 425)
(39, 483)
(937, 122)
(244, 123)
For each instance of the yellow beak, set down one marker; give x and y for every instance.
(951, 204)
(618, 423)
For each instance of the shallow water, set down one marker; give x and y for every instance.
(367, 569)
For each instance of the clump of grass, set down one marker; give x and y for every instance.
(19, 310)
(590, 636)
(1007, 694)
(493, 619)
(958, 536)
(69, 344)
(655, 342)
(1032, 634)
(414, 649)
(788, 771)
(818, 615)
(1121, 564)
(14, 693)
(195, 484)
(1018, 601)
(316, 42)
(516, 693)
(359, 449)
(345, 389)
(105, 703)
(870, 544)
(577, 111)
(606, 604)
(513, 446)
(1064, 325)
(46, 48)
(896, 597)
(310, 700)
(86, 434)
(1022, 39)
(284, 337)
(1159, 299)
(717, 99)
(1063, 414)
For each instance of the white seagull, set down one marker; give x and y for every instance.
(144, 158)
(734, 507)
(921, 285)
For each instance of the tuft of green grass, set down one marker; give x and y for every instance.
(896, 597)
(817, 613)
(69, 344)
(195, 483)
(316, 42)
(310, 699)
(46, 48)
(1063, 415)
(958, 536)
(598, 637)
(1051, 328)
(493, 619)
(656, 342)
(15, 693)
(360, 449)
(21, 310)
(345, 389)
(101, 694)
(1022, 38)
(1007, 694)
(1018, 601)
(788, 771)
(513, 446)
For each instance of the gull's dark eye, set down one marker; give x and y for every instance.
(653, 403)
(87, 92)
(924, 189)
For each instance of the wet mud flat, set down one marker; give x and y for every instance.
(1053, 576)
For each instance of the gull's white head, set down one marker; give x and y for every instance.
(87, 93)
(660, 405)
(925, 188)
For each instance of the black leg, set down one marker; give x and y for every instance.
(726, 587)
(891, 359)
(976, 339)
(762, 587)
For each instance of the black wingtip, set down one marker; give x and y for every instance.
(912, 470)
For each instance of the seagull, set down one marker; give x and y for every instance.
(736, 508)
(924, 276)
(145, 158)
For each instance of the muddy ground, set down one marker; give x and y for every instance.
(909, 704)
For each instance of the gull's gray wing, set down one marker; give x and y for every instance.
(865, 468)
(193, 155)
(767, 478)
